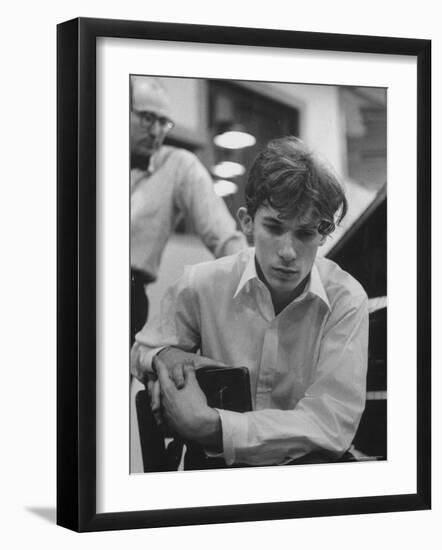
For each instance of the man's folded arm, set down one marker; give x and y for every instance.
(325, 419)
(208, 212)
(173, 335)
(175, 326)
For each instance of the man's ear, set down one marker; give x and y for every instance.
(323, 239)
(245, 220)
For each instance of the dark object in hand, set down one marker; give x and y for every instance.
(226, 387)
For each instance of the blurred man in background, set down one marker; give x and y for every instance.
(166, 184)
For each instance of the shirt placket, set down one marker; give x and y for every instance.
(269, 352)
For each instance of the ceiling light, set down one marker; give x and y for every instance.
(223, 188)
(228, 169)
(234, 139)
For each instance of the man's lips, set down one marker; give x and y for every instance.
(285, 271)
(149, 142)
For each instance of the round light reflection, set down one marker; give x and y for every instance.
(228, 169)
(234, 140)
(223, 188)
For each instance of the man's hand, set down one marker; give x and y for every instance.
(175, 359)
(153, 388)
(185, 410)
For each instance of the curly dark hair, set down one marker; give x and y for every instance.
(290, 178)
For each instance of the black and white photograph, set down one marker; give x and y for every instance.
(220, 255)
(227, 256)
(258, 274)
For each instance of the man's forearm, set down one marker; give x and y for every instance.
(185, 408)
(204, 428)
(211, 436)
(173, 356)
(207, 428)
(141, 359)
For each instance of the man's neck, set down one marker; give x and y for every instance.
(281, 301)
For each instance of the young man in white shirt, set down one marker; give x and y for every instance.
(297, 321)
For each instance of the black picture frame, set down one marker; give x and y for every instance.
(76, 274)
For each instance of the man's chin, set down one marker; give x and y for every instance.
(286, 280)
(149, 151)
(147, 148)
(293, 286)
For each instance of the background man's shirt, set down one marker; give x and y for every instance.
(307, 364)
(177, 184)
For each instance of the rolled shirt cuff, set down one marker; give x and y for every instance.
(141, 359)
(235, 428)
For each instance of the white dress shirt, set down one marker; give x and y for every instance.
(175, 185)
(307, 364)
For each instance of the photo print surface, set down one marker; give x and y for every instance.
(258, 273)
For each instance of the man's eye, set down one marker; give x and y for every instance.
(148, 117)
(276, 229)
(306, 234)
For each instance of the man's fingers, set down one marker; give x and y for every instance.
(155, 400)
(189, 373)
(178, 376)
(149, 386)
(155, 360)
(162, 373)
(158, 418)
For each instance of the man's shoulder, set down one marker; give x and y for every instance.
(339, 284)
(175, 155)
(226, 270)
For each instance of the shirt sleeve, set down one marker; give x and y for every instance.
(176, 324)
(208, 212)
(325, 419)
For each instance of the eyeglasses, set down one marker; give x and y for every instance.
(148, 119)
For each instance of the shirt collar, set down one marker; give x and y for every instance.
(152, 165)
(314, 285)
(137, 174)
(248, 274)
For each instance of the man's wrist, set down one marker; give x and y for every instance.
(167, 355)
(171, 355)
(163, 351)
(210, 433)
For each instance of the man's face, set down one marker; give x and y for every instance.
(147, 98)
(285, 250)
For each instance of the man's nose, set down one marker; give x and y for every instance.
(155, 128)
(287, 251)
